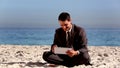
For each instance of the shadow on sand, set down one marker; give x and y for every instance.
(31, 64)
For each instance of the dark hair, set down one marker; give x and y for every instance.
(64, 16)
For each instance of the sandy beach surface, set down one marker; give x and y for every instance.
(26, 56)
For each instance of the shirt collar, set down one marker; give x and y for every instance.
(69, 30)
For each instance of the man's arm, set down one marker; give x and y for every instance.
(54, 42)
(82, 41)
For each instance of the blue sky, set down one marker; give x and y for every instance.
(44, 13)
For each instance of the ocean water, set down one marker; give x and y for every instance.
(44, 36)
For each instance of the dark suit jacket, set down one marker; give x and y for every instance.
(78, 38)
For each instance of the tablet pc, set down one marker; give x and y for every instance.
(61, 50)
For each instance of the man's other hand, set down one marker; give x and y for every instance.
(72, 53)
(53, 48)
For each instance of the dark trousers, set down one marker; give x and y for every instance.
(61, 59)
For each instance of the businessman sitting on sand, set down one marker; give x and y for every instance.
(71, 36)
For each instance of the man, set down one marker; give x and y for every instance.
(71, 36)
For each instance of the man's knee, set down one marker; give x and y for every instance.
(86, 57)
(46, 55)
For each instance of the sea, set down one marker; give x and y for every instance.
(45, 36)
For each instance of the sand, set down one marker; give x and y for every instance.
(26, 56)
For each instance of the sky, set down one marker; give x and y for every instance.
(44, 13)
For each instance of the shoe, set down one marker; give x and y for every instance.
(88, 64)
(69, 65)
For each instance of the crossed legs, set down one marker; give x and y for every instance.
(65, 60)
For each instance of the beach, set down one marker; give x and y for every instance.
(30, 56)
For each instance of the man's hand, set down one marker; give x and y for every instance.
(72, 53)
(53, 48)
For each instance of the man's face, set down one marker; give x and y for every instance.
(66, 25)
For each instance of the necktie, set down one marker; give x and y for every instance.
(68, 39)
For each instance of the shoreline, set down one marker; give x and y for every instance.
(49, 45)
(30, 56)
